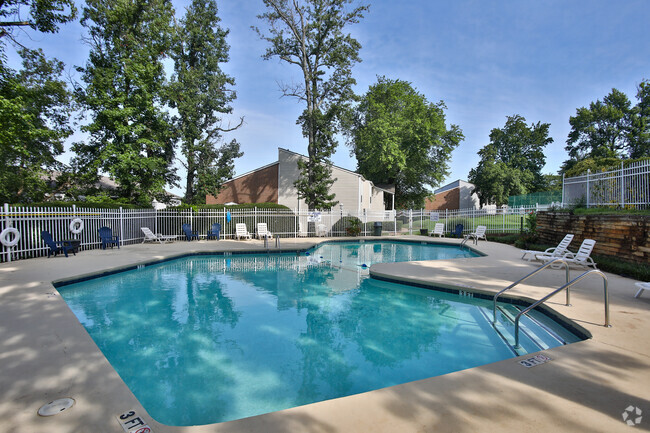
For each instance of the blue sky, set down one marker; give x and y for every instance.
(485, 59)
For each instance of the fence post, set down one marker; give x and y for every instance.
(7, 225)
(588, 171)
(121, 224)
(74, 215)
(622, 186)
(563, 190)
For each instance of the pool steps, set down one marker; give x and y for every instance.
(535, 335)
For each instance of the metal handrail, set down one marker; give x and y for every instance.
(566, 286)
(266, 242)
(544, 266)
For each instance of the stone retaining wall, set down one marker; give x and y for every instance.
(623, 236)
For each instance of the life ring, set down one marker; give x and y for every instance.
(76, 226)
(4, 237)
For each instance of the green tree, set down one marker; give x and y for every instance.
(594, 165)
(200, 91)
(130, 135)
(511, 164)
(553, 181)
(640, 123)
(43, 15)
(602, 130)
(34, 115)
(310, 35)
(400, 138)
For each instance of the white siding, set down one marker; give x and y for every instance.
(288, 172)
(467, 200)
(377, 200)
(346, 188)
(351, 190)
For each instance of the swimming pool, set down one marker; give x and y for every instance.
(206, 339)
(358, 254)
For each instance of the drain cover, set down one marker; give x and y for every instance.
(56, 407)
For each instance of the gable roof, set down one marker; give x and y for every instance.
(343, 169)
(455, 184)
(280, 149)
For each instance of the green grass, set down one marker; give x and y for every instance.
(609, 211)
(494, 223)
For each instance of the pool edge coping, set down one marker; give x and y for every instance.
(144, 263)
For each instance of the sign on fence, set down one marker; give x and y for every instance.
(314, 217)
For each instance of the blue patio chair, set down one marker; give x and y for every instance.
(458, 231)
(215, 232)
(189, 233)
(106, 235)
(56, 247)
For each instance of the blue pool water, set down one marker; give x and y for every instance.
(206, 339)
(353, 254)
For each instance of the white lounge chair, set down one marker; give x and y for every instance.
(582, 257)
(155, 237)
(558, 251)
(642, 287)
(241, 231)
(439, 229)
(263, 232)
(478, 234)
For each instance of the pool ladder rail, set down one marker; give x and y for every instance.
(566, 287)
(266, 242)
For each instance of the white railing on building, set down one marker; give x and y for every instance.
(626, 186)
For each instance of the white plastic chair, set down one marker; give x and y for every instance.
(241, 231)
(155, 237)
(478, 234)
(321, 230)
(554, 252)
(581, 258)
(439, 229)
(642, 287)
(262, 231)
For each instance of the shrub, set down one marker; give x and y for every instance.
(340, 227)
(386, 226)
(354, 229)
(614, 265)
(504, 238)
(197, 207)
(82, 204)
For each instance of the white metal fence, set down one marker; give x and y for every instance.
(497, 220)
(627, 186)
(127, 223)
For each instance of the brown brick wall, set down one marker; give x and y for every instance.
(445, 200)
(261, 186)
(623, 236)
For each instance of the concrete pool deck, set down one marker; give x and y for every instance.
(47, 354)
